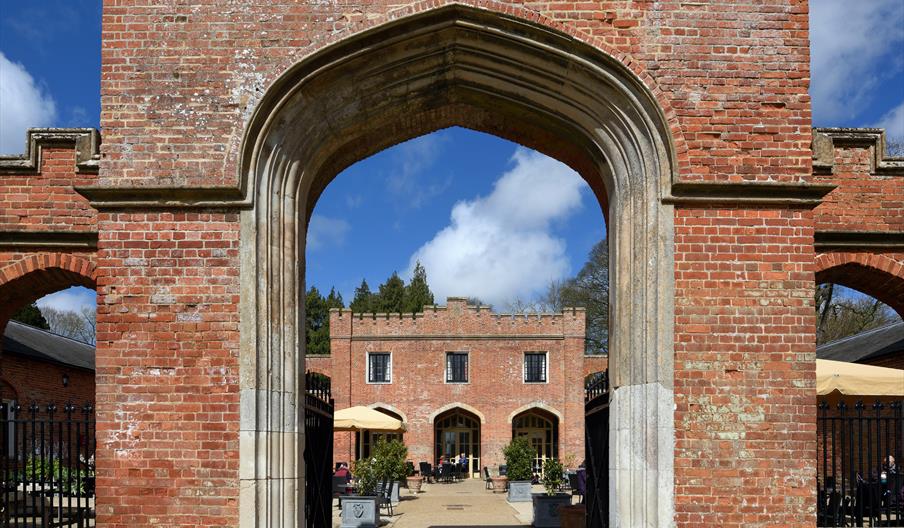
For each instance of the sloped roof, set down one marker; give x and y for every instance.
(46, 346)
(870, 344)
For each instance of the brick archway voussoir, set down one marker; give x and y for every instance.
(877, 275)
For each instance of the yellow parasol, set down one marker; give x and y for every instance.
(854, 379)
(360, 418)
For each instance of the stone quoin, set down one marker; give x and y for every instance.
(223, 122)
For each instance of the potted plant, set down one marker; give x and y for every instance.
(389, 463)
(498, 480)
(413, 481)
(363, 509)
(518, 458)
(546, 505)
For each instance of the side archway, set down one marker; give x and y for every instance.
(391, 408)
(456, 405)
(499, 74)
(27, 280)
(879, 276)
(536, 405)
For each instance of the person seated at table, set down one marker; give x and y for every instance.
(463, 463)
(343, 472)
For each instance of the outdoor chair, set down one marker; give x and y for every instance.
(384, 495)
(574, 486)
(486, 478)
(425, 470)
(447, 472)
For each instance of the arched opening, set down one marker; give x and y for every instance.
(366, 440)
(497, 74)
(457, 433)
(541, 428)
(875, 275)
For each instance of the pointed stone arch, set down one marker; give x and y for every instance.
(536, 405)
(496, 73)
(390, 408)
(457, 405)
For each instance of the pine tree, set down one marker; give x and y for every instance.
(364, 299)
(31, 315)
(317, 323)
(334, 300)
(391, 296)
(417, 293)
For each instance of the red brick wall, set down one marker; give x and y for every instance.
(495, 385)
(44, 200)
(42, 382)
(744, 367)
(595, 364)
(167, 369)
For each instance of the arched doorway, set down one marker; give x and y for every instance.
(492, 72)
(542, 431)
(457, 432)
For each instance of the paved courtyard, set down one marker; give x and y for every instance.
(465, 503)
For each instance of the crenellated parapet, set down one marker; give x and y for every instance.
(85, 141)
(457, 319)
(827, 140)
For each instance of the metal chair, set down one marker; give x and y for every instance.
(384, 495)
(486, 478)
(425, 470)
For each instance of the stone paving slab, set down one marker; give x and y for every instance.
(461, 504)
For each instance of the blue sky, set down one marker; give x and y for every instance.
(448, 198)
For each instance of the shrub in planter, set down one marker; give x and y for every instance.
(546, 506)
(362, 510)
(389, 459)
(519, 456)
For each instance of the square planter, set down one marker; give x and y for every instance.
(394, 493)
(360, 512)
(546, 509)
(519, 491)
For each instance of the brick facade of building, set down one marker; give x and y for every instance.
(494, 388)
(191, 234)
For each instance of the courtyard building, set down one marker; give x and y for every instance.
(463, 380)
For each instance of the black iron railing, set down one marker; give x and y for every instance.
(596, 431)
(47, 465)
(596, 385)
(318, 450)
(860, 481)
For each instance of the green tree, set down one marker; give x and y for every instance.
(317, 323)
(391, 296)
(589, 289)
(417, 293)
(364, 299)
(31, 315)
(840, 315)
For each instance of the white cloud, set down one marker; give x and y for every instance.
(325, 232)
(23, 105)
(499, 247)
(851, 44)
(72, 299)
(411, 182)
(893, 122)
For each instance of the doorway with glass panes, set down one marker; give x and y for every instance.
(457, 431)
(542, 431)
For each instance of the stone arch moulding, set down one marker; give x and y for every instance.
(535, 405)
(457, 405)
(871, 273)
(499, 74)
(390, 408)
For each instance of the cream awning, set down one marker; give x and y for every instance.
(361, 418)
(854, 379)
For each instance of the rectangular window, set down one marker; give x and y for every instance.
(456, 367)
(535, 367)
(379, 367)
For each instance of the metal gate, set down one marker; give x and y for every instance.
(318, 450)
(47, 465)
(596, 445)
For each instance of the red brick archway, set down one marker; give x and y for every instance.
(27, 280)
(877, 275)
